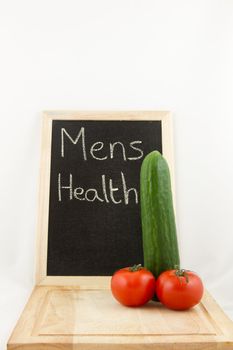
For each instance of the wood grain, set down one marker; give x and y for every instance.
(69, 318)
(83, 312)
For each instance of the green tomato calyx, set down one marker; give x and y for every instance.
(135, 268)
(182, 273)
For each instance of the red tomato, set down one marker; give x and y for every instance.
(179, 289)
(133, 286)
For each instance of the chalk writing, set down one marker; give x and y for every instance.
(106, 194)
(114, 147)
(99, 151)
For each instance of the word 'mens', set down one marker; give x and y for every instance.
(106, 192)
(99, 150)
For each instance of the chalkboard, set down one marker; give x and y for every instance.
(93, 210)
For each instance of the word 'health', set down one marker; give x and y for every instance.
(107, 192)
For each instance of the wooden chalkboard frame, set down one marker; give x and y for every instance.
(80, 312)
(84, 282)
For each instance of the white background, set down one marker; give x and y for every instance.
(119, 55)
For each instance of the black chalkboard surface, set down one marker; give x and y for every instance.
(94, 207)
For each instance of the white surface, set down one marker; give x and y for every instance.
(125, 55)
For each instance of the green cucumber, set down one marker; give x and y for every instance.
(160, 247)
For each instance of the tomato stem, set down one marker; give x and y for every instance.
(182, 273)
(135, 268)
